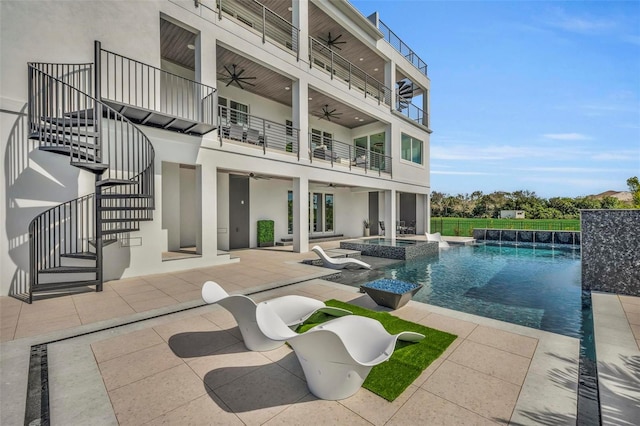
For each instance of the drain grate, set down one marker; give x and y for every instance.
(37, 407)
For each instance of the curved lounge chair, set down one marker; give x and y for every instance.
(336, 356)
(292, 310)
(339, 263)
(437, 238)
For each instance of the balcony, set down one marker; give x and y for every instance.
(270, 25)
(325, 59)
(347, 155)
(400, 45)
(238, 126)
(411, 111)
(150, 96)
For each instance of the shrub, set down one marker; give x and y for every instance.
(266, 233)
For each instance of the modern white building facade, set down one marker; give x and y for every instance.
(138, 129)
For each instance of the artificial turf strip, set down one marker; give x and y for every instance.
(391, 378)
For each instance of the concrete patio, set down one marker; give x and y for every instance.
(146, 351)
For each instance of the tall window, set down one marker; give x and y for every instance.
(328, 212)
(320, 212)
(238, 112)
(411, 149)
(318, 137)
(290, 212)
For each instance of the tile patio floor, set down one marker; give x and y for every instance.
(166, 359)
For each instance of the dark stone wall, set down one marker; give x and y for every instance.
(611, 251)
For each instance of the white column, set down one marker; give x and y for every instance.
(206, 74)
(390, 80)
(300, 115)
(427, 209)
(206, 188)
(390, 213)
(301, 215)
(300, 19)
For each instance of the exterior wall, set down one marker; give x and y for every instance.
(512, 214)
(63, 32)
(611, 251)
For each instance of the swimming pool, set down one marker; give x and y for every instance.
(386, 242)
(539, 288)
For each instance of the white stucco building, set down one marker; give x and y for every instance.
(177, 125)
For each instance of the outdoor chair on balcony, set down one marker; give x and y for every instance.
(339, 263)
(360, 161)
(437, 238)
(236, 132)
(338, 355)
(292, 311)
(253, 136)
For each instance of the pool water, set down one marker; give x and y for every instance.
(539, 288)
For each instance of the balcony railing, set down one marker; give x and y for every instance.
(401, 47)
(411, 111)
(267, 23)
(347, 155)
(128, 84)
(322, 57)
(241, 127)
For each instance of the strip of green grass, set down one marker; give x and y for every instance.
(391, 378)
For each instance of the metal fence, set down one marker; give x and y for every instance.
(464, 227)
(411, 111)
(402, 47)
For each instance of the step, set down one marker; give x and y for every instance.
(82, 255)
(83, 113)
(116, 182)
(69, 151)
(97, 168)
(105, 242)
(63, 285)
(69, 270)
(69, 121)
(124, 209)
(119, 231)
(60, 139)
(122, 196)
(120, 220)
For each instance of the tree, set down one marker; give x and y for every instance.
(634, 187)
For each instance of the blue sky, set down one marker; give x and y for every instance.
(527, 95)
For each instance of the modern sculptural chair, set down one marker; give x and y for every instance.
(437, 238)
(339, 263)
(338, 355)
(292, 311)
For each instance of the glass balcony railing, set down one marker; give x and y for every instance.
(347, 155)
(411, 111)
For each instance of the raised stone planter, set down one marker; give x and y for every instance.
(390, 293)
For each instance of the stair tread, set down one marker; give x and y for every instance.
(63, 285)
(80, 255)
(68, 269)
(92, 167)
(120, 219)
(112, 196)
(119, 231)
(69, 150)
(69, 121)
(113, 182)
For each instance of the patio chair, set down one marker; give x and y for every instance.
(338, 355)
(437, 238)
(292, 310)
(236, 132)
(253, 136)
(381, 223)
(339, 263)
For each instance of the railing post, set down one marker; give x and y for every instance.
(219, 10)
(310, 149)
(264, 137)
(331, 64)
(349, 75)
(264, 24)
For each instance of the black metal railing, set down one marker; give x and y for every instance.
(347, 155)
(130, 82)
(65, 119)
(411, 111)
(402, 47)
(266, 22)
(266, 134)
(322, 57)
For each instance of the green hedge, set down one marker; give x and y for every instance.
(266, 236)
(464, 226)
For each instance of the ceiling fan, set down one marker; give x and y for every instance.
(258, 177)
(326, 114)
(235, 77)
(333, 42)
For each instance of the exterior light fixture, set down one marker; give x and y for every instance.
(191, 46)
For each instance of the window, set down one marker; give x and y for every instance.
(328, 212)
(318, 137)
(290, 212)
(411, 149)
(320, 212)
(238, 113)
(222, 108)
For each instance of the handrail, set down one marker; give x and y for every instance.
(397, 43)
(266, 22)
(345, 154)
(131, 82)
(325, 58)
(411, 111)
(242, 127)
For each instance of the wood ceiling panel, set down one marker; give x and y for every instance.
(347, 117)
(174, 42)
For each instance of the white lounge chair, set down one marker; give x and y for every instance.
(336, 356)
(292, 310)
(339, 263)
(437, 238)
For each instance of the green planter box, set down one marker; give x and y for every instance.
(265, 233)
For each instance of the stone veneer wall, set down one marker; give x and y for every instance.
(611, 251)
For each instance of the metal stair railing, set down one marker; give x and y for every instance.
(72, 121)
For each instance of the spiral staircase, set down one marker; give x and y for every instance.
(67, 117)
